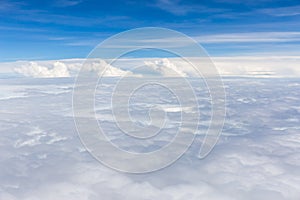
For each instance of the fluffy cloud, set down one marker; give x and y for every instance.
(67, 68)
(102, 68)
(33, 69)
(166, 68)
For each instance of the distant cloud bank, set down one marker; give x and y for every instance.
(166, 67)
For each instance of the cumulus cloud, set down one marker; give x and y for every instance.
(102, 68)
(67, 68)
(33, 69)
(165, 67)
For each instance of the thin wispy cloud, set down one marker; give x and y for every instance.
(180, 8)
(173, 7)
(67, 3)
(7, 5)
(251, 37)
(60, 19)
(282, 11)
(23, 13)
(87, 43)
(14, 28)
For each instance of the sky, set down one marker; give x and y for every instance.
(255, 46)
(60, 29)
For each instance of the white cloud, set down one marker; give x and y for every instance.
(33, 69)
(267, 66)
(166, 68)
(256, 158)
(102, 68)
(231, 66)
(281, 11)
(260, 37)
(67, 3)
(179, 8)
(67, 68)
(258, 66)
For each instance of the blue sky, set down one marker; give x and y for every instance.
(57, 29)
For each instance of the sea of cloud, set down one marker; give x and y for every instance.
(41, 156)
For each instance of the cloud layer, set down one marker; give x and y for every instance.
(257, 156)
(167, 67)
